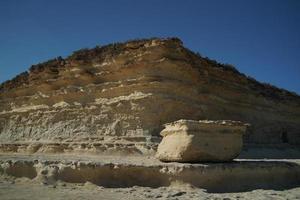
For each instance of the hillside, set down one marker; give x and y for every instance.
(116, 98)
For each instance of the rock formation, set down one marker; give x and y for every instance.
(115, 99)
(201, 141)
(127, 171)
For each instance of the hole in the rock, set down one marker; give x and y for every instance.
(284, 137)
(22, 170)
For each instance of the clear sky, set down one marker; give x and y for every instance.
(260, 37)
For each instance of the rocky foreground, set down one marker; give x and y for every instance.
(111, 177)
(112, 171)
(25, 189)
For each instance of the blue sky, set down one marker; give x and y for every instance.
(260, 37)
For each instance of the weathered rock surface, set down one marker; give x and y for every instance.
(117, 97)
(130, 171)
(201, 141)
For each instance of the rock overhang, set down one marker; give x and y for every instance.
(205, 126)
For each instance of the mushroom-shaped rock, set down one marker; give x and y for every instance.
(201, 141)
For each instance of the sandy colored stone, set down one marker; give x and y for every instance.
(201, 141)
(131, 171)
(115, 99)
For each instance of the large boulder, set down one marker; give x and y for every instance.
(201, 141)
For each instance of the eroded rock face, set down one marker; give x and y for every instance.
(118, 172)
(201, 141)
(117, 97)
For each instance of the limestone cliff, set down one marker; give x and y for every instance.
(117, 97)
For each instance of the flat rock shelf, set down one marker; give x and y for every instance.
(116, 172)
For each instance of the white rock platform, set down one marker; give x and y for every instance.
(119, 172)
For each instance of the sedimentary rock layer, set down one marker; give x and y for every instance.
(218, 177)
(117, 96)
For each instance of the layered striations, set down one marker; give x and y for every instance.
(117, 97)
